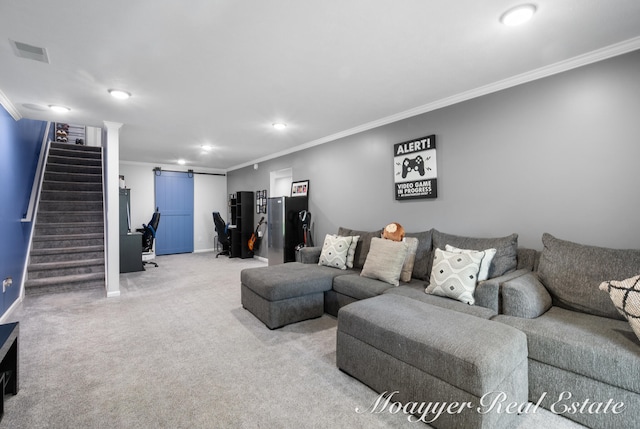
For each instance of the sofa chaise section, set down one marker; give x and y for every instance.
(427, 354)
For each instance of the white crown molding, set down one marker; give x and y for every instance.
(174, 167)
(559, 67)
(8, 105)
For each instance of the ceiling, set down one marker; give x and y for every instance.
(221, 72)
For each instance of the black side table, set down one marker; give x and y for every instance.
(8, 361)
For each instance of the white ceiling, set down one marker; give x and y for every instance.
(220, 72)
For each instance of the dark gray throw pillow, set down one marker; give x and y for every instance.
(572, 274)
(422, 263)
(505, 260)
(364, 243)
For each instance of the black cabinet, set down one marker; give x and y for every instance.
(241, 211)
(130, 242)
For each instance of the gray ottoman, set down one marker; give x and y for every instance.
(430, 355)
(287, 293)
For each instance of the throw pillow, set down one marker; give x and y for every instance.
(334, 251)
(407, 268)
(363, 244)
(483, 274)
(454, 275)
(352, 249)
(505, 260)
(385, 260)
(625, 295)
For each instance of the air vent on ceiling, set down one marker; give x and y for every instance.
(31, 52)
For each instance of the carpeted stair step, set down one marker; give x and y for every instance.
(65, 195)
(64, 283)
(62, 176)
(70, 206)
(57, 254)
(61, 241)
(58, 269)
(69, 168)
(70, 216)
(63, 158)
(75, 150)
(63, 185)
(59, 228)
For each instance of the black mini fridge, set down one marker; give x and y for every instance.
(284, 230)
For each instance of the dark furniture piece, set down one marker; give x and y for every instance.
(148, 238)
(130, 242)
(224, 235)
(285, 230)
(241, 209)
(8, 361)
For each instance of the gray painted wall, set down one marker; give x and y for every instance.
(558, 155)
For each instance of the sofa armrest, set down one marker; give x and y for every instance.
(525, 297)
(309, 255)
(487, 293)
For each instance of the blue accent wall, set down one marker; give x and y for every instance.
(20, 143)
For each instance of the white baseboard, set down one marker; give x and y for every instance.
(15, 304)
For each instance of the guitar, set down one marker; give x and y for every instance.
(254, 236)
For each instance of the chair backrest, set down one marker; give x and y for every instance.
(221, 227)
(149, 233)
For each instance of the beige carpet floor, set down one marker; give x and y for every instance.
(177, 350)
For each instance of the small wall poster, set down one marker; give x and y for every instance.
(414, 169)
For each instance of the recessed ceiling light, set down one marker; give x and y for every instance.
(182, 162)
(279, 126)
(59, 109)
(518, 15)
(119, 94)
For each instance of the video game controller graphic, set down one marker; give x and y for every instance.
(415, 164)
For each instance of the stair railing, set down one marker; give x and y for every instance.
(38, 177)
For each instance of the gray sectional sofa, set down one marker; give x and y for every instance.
(540, 330)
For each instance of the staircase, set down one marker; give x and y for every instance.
(67, 252)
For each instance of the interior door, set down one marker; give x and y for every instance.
(174, 199)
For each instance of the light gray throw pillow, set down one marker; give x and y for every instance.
(385, 260)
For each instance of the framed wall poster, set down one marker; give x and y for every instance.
(414, 169)
(300, 189)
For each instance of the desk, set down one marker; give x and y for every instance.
(8, 361)
(131, 252)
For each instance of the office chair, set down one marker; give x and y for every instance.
(224, 235)
(148, 239)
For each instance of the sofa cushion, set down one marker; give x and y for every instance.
(283, 281)
(422, 263)
(625, 295)
(385, 260)
(454, 275)
(503, 262)
(363, 243)
(572, 273)
(334, 251)
(603, 349)
(359, 287)
(410, 260)
(430, 339)
(415, 290)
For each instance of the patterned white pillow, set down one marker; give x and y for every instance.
(334, 251)
(483, 274)
(352, 248)
(625, 295)
(454, 275)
